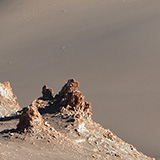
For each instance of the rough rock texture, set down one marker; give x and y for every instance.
(69, 122)
(8, 101)
(47, 92)
(30, 119)
(72, 103)
(32, 123)
(71, 115)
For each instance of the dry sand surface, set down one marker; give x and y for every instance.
(110, 46)
(32, 149)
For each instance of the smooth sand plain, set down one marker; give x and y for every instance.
(112, 47)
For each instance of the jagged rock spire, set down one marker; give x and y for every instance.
(30, 119)
(70, 86)
(47, 93)
(72, 102)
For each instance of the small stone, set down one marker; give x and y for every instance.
(46, 124)
(93, 156)
(11, 134)
(33, 143)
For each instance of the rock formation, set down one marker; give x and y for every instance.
(71, 115)
(30, 119)
(8, 101)
(69, 120)
(32, 123)
(47, 93)
(72, 103)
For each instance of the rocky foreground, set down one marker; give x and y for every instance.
(57, 127)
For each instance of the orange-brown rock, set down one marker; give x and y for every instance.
(8, 100)
(47, 93)
(71, 115)
(70, 86)
(72, 102)
(32, 123)
(30, 119)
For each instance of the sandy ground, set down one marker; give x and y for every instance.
(110, 46)
(31, 148)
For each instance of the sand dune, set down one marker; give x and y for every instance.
(110, 46)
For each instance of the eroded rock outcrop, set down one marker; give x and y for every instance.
(69, 120)
(30, 119)
(71, 115)
(8, 100)
(72, 103)
(32, 123)
(47, 93)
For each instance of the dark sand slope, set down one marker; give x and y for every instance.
(110, 46)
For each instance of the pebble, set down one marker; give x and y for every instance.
(33, 143)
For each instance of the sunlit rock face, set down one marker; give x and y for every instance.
(31, 122)
(8, 100)
(72, 102)
(30, 119)
(71, 115)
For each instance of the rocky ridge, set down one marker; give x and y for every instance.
(68, 116)
(71, 115)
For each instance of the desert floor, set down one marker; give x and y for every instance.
(112, 47)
